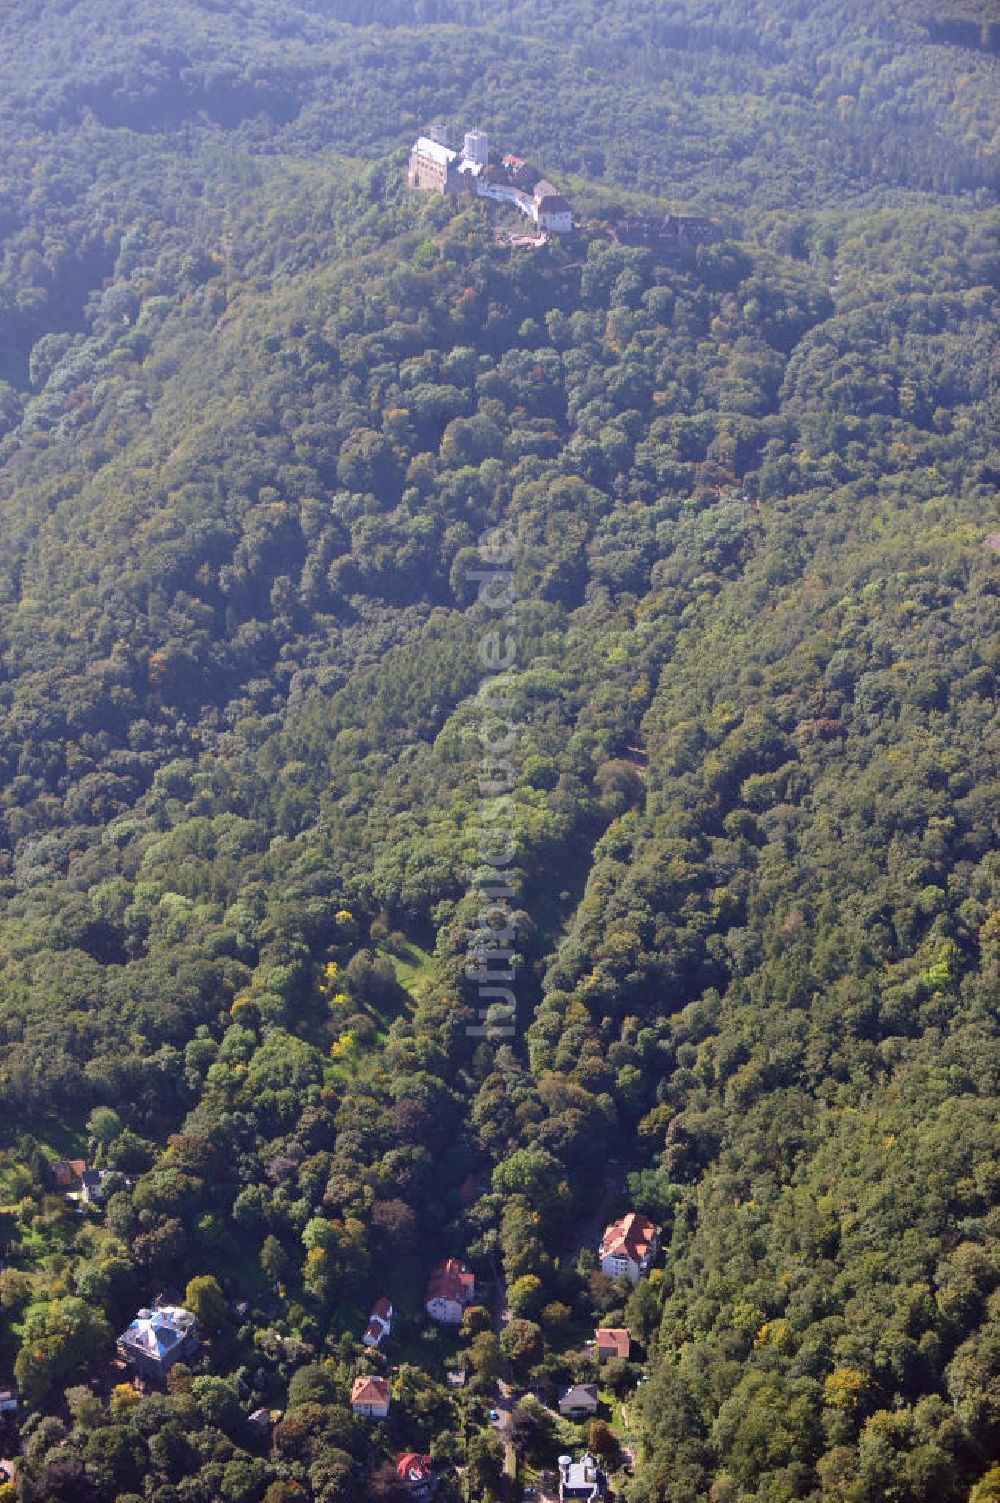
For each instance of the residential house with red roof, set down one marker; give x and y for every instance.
(628, 1247)
(68, 1173)
(370, 1397)
(417, 1472)
(379, 1323)
(612, 1341)
(451, 1287)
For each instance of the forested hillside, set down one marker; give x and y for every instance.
(262, 415)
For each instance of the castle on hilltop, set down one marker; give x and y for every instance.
(436, 167)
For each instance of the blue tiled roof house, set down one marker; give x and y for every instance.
(157, 1339)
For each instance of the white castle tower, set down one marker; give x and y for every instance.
(477, 148)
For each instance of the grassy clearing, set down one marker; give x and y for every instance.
(433, 1348)
(611, 1411)
(413, 965)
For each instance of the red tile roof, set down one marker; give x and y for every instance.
(69, 1171)
(370, 1391)
(451, 1280)
(412, 1467)
(616, 1338)
(631, 1237)
(382, 1308)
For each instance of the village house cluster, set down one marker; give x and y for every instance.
(437, 167)
(627, 1249)
(167, 1333)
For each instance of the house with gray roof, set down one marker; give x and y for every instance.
(157, 1339)
(581, 1479)
(579, 1401)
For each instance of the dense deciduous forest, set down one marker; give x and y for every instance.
(259, 406)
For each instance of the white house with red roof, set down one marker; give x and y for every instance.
(370, 1397)
(379, 1323)
(451, 1287)
(612, 1341)
(628, 1247)
(417, 1472)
